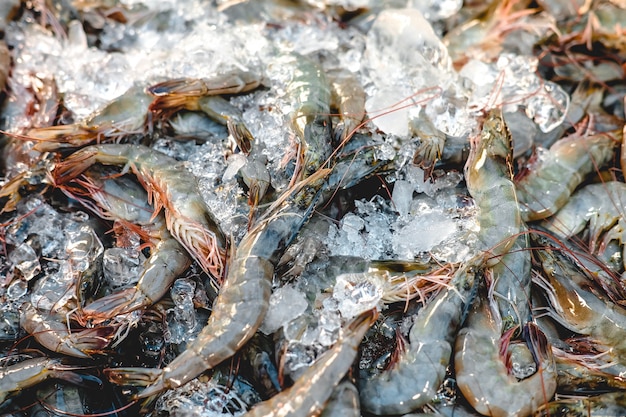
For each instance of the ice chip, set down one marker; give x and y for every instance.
(25, 261)
(286, 303)
(122, 266)
(357, 293)
(422, 233)
(387, 111)
(548, 109)
(182, 318)
(17, 289)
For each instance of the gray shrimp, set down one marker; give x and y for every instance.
(30, 372)
(52, 333)
(488, 173)
(122, 116)
(482, 375)
(577, 308)
(309, 93)
(413, 381)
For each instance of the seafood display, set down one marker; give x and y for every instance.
(335, 208)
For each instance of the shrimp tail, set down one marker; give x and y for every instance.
(133, 376)
(92, 340)
(107, 307)
(57, 137)
(179, 87)
(240, 133)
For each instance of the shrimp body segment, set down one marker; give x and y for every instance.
(489, 181)
(415, 378)
(313, 388)
(170, 186)
(556, 173)
(482, 374)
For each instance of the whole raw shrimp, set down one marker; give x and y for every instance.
(308, 91)
(170, 186)
(549, 181)
(488, 173)
(577, 308)
(124, 201)
(204, 95)
(414, 379)
(308, 395)
(481, 372)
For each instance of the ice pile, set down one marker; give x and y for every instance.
(512, 81)
(213, 398)
(424, 217)
(410, 69)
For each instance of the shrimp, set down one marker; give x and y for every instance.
(488, 174)
(309, 93)
(215, 107)
(344, 401)
(240, 307)
(31, 372)
(123, 116)
(482, 375)
(55, 335)
(581, 311)
(603, 405)
(414, 379)
(550, 180)
(348, 96)
(125, 201)
(171, 187)
(310, 392)
(600, 205)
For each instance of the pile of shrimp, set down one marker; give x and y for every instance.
(212, 197)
